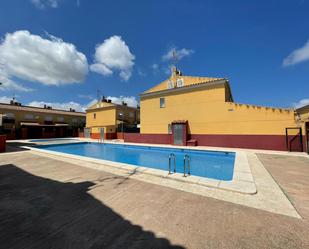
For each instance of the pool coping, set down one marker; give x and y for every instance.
(242, 182)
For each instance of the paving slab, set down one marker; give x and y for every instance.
(40, 208)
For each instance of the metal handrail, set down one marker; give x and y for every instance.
(171, 156)
(186, 165)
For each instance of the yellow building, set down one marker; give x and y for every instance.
(111, 117)
(201, 110)
(19, 121)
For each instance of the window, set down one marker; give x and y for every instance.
(180, 83)
(94, 115)
(170, 84)
(9, 115)
(131, 114)
(48, 118)
(162, 102)
(29, 117)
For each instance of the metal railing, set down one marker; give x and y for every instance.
(170, 158)
(186, 165)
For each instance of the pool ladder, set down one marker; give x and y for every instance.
(186, 165)
(171, 158)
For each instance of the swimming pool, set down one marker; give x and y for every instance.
(210, 164)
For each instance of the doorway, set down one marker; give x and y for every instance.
(179, 130)
(294, 139)
(178, 134)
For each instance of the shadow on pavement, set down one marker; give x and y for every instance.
(36, 212)
(17, 146)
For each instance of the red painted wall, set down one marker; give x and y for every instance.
(2, 143)
(265, 142)
(148, 138)
(106, 135)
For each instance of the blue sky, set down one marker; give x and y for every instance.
(260, 46)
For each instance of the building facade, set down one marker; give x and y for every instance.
(201, 111)
(22, 122)
(115, 119)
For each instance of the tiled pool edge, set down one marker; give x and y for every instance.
(243, 181)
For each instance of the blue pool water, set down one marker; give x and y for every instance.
(211, 164)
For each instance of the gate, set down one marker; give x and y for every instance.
(294, 139)
(101, 135)
(87, 132)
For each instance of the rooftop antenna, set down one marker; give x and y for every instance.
(174, 57)
(174, 68)
(98, 95)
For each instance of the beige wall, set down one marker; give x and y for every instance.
(208, 113)
(41, 117)
(104, 118)
(108, 117)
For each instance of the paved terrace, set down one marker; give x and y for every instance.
(48, 203)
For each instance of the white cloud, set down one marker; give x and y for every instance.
(8, 84)
(41, 4)
(301, 103)
(297, 56)
(113, 55)
(48, 61)
(130, 100)
(85, 96)
(101, 69)
(154, 66)
(180, 53)
(58, 105)
(141, 72)
(5, 99)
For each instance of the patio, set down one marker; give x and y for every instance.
(50, 203)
